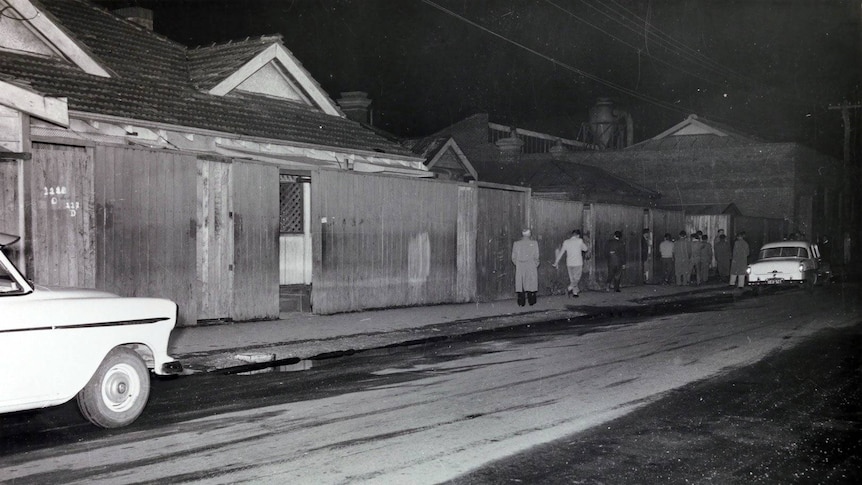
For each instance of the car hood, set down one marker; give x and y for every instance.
(58, 292)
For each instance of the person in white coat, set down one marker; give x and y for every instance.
(574, 249)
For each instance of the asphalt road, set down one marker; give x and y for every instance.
(725, 392)
(794, 417)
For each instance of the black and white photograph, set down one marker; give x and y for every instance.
(456, 242)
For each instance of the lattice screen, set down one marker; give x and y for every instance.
(290, 208)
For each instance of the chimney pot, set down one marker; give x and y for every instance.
(355, 105)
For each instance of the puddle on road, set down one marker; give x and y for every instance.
(285, 365)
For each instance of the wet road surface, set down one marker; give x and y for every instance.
(432, 412)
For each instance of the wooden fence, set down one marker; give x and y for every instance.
(602, 220)
(503, 212)
(382, 241)
(552, 222)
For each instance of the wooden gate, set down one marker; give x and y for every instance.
(503, 211)
(215, 238)
(602, 220)
(145, 207)
(382, 241)
(255, 219)
(552, 222)
(61, 221)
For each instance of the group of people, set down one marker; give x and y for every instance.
(685, 260)
(525, 257)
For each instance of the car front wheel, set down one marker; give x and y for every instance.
(118, 391)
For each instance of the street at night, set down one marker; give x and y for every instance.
(754, 390)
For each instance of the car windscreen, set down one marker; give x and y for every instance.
(783, 252)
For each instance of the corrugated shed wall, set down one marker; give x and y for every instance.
(382, 241)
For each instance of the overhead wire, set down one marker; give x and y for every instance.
(664, 40)
(590, 76)
(636, 48)
(669, 43)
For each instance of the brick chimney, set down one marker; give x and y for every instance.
(510, 147)
(355, 105)
(137, 15)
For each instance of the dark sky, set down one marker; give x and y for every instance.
(767, 67)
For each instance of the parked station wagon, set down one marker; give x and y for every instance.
(62, 343)
(785, 263)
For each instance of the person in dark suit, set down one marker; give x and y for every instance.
(616, 261)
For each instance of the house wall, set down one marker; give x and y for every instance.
(759, 179)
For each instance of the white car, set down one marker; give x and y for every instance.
(61, 343)
(785, 263)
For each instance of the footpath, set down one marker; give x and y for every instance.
(303, 336)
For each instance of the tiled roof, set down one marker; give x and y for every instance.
(152, 82)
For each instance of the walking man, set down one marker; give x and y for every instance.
(616, 261)
(525, 256)
(574, 249)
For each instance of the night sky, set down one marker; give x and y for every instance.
(770, 68)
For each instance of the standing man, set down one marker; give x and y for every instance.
(705, 259)
(666, 251)
(525, 256)
(574, 249)
(739, 261)
(722, 257)
(616, 261)
(682, 259)
(646, 254)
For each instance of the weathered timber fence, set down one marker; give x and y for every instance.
(552, 222)
(382, 241)
(602, 220)
(503, 212)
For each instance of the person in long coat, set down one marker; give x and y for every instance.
(525, 256)
(682, 259)
(722, 256)
(705, 260)
(739, 261)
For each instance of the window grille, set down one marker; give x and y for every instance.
(290, 209)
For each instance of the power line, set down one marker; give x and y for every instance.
(647, 53)
(563, 65)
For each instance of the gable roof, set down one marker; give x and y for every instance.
(222, 68)
(151, 80)
(434, 149)
(695, 132)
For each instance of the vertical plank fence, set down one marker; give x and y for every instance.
(552, 222)
(503, 212)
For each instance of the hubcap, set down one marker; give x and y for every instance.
(120, 387)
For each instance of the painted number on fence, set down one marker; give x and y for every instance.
(57, 196)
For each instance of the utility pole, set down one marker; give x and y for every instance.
(852, 174)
